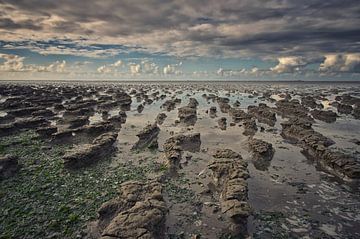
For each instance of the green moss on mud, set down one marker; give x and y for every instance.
(44, 200)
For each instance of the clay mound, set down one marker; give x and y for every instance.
(263, 113)
(326, 116)
(189, 142)
(138, 212)
(187, 115)
(147, 137)
(230, 172)
(226, 153)
(262, 153)
(174, 146)
(315, 146)
(83, 155)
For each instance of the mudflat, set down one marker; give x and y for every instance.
(179, 160)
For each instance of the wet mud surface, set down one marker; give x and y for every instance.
(171, 160)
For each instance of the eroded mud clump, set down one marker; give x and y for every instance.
(316, 145)
(78, 122)
(147, 137)
(348, 99)
(24, 112)
(160, 118)
(187, 115)
(186, 142)
(193, 103)
(237, 114)
(88, 131)
(169, 105)
(222, 122)
(263, 113)
(6, 119)
(301, 130)
(309, 101)
(140, 108)
(47, 132)
(262, 153)
(230, 173)
(223, 104)
(344, 109)
(292, 108)
(138, 212)
(212, 112)
(8, 166)
(250, 126)
(174, 146)
(356, 112)
(326, 116)
(86, 154)
(21, 124)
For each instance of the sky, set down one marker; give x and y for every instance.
(180, 39)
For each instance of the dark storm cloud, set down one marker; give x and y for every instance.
(269, 28)
(9, 24)
(322, 39)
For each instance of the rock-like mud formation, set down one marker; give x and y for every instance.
(262, 153)
(187, 115)
(250, 126)
(222, 122)
(174, 146)
(169, 105)
(139, 211)
(316, 146)
(86, 154)
(326, 116)
(148, 137)
(292, 108)
(23, 124)
(160, 118)
(263, 113)
(230, 173)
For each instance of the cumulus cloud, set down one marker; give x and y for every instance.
(110, 68)
(290, 64)
(254, 71)
(12, 62)
(144, 67)
(341, 63)
(15, 63)
(172, 69)
(149, 67)
(135, 69)
(58, 67)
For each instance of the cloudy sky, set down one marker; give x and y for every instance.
(180, 39)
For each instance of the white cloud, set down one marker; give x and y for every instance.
(172, 69)
(135, 69)
(58, 66)
(12, 63)
(15, 63)
(118, 63)
(111, 68)
(149, 67)
(240, 72)
(289, 64)
(341, 63)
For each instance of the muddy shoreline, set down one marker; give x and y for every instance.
(176, 160)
